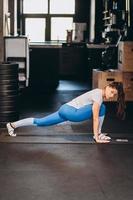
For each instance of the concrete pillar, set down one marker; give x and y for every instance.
(3, 26)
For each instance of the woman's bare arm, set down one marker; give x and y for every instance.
(95, 110)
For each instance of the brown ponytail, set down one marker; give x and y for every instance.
(120, 100)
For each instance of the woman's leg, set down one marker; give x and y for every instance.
(23, 122)
(75, 115)
(49, 120)
(65, 113)
(45, 121)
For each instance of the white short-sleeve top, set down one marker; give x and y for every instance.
(87, 98)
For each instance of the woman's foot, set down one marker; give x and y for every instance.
(10, 130)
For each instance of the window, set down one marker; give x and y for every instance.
(35, 6)
(35, 29)
(59, 26)
(47, 20)
(62, 6)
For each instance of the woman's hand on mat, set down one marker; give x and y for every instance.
(102, 138)
(102, 141)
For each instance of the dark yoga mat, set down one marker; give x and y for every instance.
(79, 138)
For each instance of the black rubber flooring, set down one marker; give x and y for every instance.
(65, 171)
(58, 163)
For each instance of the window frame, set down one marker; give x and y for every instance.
(47, 17)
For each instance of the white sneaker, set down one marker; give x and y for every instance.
(10, 130)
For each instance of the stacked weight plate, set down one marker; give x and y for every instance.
(9, 89)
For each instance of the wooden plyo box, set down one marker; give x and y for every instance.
(102, 78)
(125, 56)
(128, 85)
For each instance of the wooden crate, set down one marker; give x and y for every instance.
(128, 85)
(125, 56)
(102, 78)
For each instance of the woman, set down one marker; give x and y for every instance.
(85, 106)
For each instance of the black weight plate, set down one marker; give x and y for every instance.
(8, 101)
(8, 92)
(8, 65)
(8, 82)
(7, 97)
(9, 118)
(9, 87)
(9, 107)
(9, 76)
(8, 71)
(8, 111)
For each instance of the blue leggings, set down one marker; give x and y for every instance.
(68, 113)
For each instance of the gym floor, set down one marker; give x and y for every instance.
(33, 169)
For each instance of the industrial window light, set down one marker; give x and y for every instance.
(51, 19)
(35, 6)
